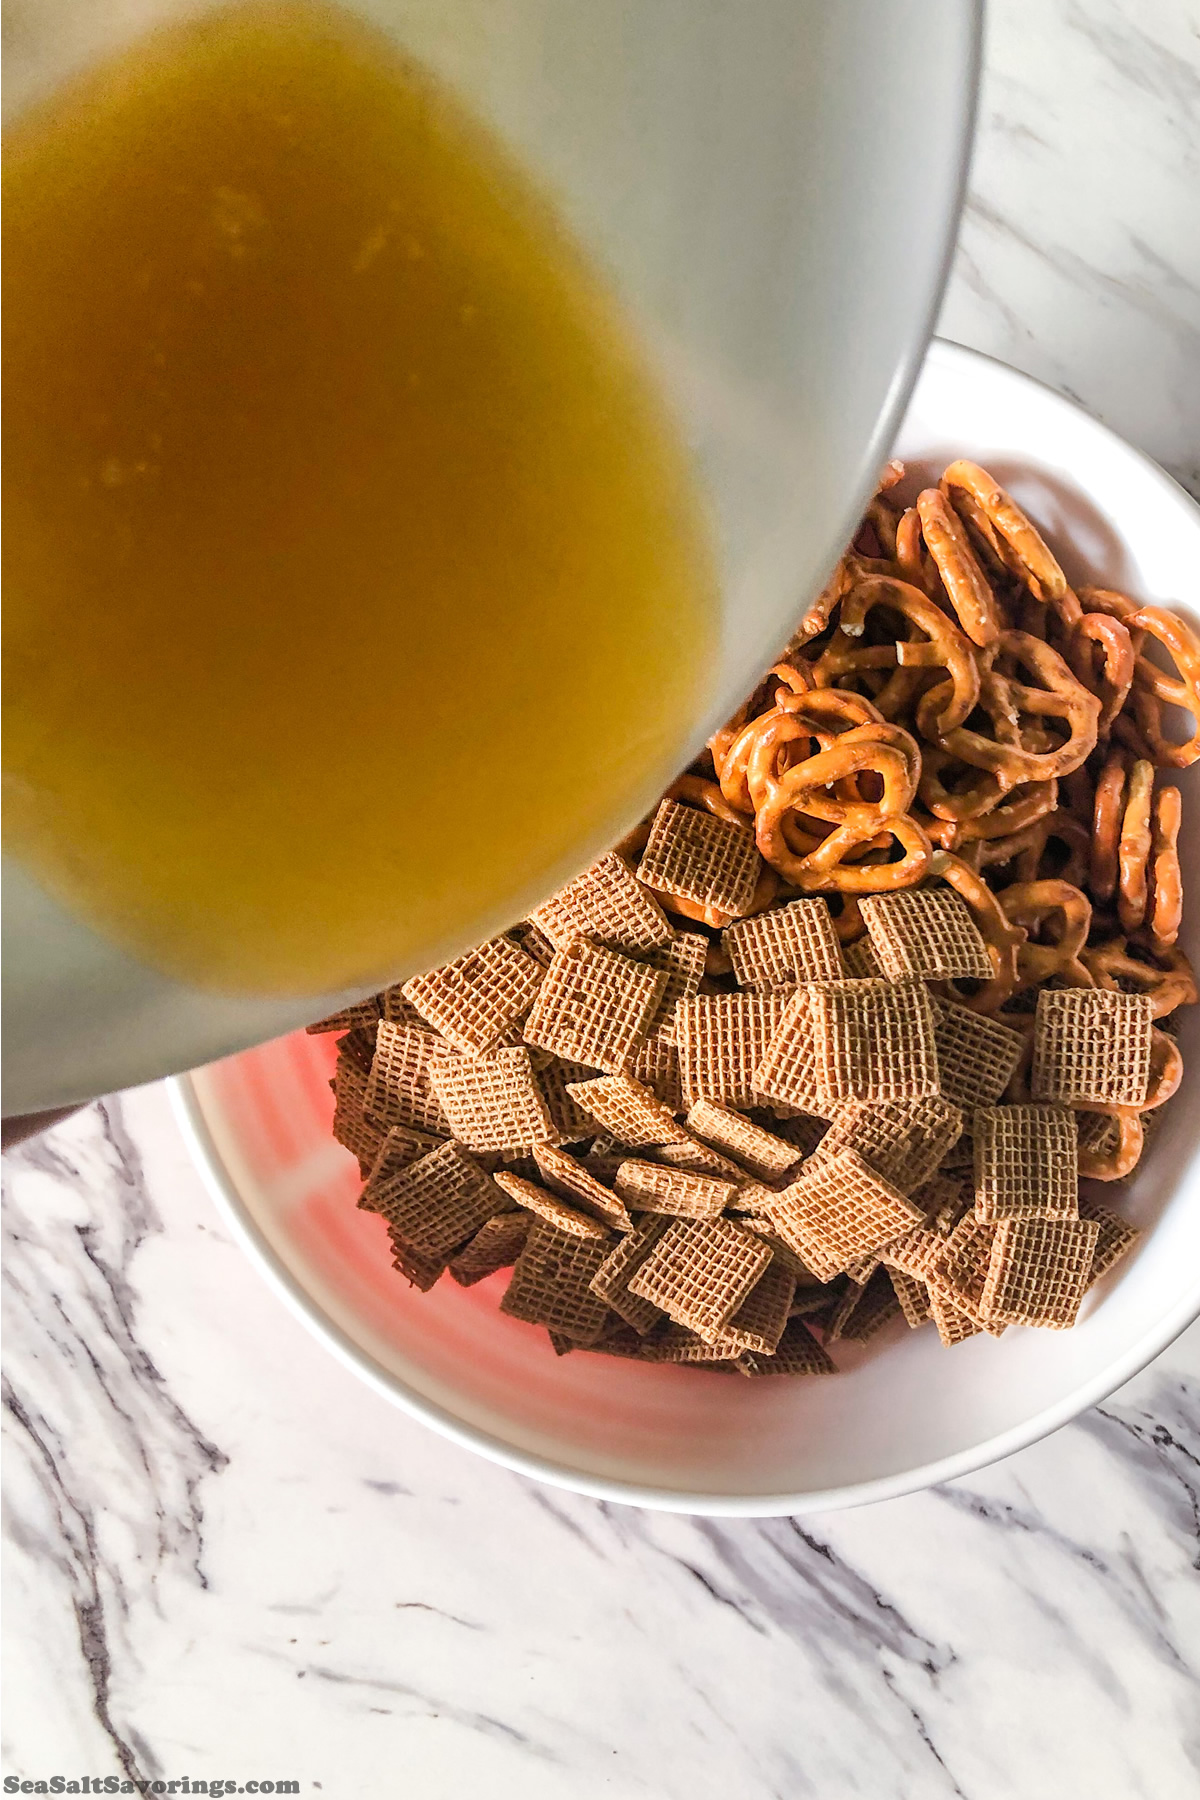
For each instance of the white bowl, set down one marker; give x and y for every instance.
(772, 188)
(902, 1413)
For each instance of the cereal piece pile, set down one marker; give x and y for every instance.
(830, 1039)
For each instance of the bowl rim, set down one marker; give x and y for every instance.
(189, 1113)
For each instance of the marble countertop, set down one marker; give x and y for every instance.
(226, 1559)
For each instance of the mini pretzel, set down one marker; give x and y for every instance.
(1020, 808)
(1034, 904)
(828, 868)
(1166, 910)
(758, 755)
(1106, 826)
(1014, 542)
(965, 583)
(943, 647)
(1168, 980)
(1100, 631)
(1133, 851)
(1006, 700)
(1062, 827)
(912, 558)
(1152, 689)
(1121, 1160)
(1002, 937)
(694, 790)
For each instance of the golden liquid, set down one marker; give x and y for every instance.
(354, 578)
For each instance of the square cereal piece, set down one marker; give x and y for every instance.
(1040, 1270)
(682, 962)
(492, 1102)
(649, 1187)
(473, 1000)
(902, 1140)
(495, 1246)
(762, 1152)
(790, 944)
(395, 1008)
(873, 1307)
(953, 1325)
(1026, 1162)
(926, 933)
(977, 1057)
(959, 1269)
(787, 1072)
(439, 1201)
(761, 1319)
(1090, 1045)
(796, 1353)
(700, 1272)
(1117, 1238)
(912, 1297)
(571, 1124)
(698, 1158)
(861, 962)
(400, 1147)
(837, 1210)
(679, 1345)
(607, 904)
(352, 1128)
(722, 1039)
(656, 1066)
(363, 1012)
(872, 1040)
(419, 1271)
(594, 1007)
(532, 1198)
(550, 1285)
(571, 1181)
(611, 1280)
(627, 1111)
(701, 858)
(400, 1089)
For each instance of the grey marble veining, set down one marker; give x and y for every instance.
(225, 1558)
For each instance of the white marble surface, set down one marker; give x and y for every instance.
(226, 1559)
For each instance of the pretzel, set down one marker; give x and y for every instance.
(965, 583)
(943, 647)
(1106, 826)
(1166, 908)
(1153, 689)
(1006, 700)
(1015, 543)
(694, 790)
(1021, 807)
(1034, 904)
(1003, 939)
(759, 753)
(1025, 850)
(912, 558)
(1097, 630)
(1114, 1162)
(1168, 980)
(980, 793)
(1133, 851)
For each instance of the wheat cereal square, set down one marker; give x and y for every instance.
(473, 1000)
(656, 1066)
(925, 933)
(1090, 1045)
(492, 1102)
(682, 962)
(532, 1197)
(650, 1187)
(977, 1057)
(495, 1246)
(606, 904)
(627, 1111)
(860, 960)
(905, 1141)
(872, 1040)
(611, 1280)
(797, 1353)
(838, 1210)
(787, 1072)
(1039, 1272)
(363, 1012)
(400, 1089)
(789, 944)
(1026, 1161)
(419, 1271)
(701, 858)
(594, 1007)
(439, 1201)
(572, 1182)
(700, 1272)
(762, 1152)
(551, 1284)
(1117, 1238)
(722, 1039)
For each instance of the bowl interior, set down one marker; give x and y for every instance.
(902, 1409)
